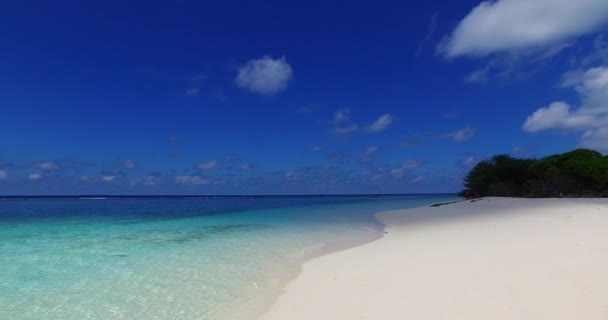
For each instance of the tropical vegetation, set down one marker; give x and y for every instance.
(581, 172)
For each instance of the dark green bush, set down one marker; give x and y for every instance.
(536, 188)
(580, 171)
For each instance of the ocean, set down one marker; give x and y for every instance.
(216, 258)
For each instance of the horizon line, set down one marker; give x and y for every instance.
(220, 196)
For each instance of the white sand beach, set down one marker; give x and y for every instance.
(496, 258)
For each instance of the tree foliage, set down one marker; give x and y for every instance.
(579, 172)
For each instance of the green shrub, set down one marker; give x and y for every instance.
(535, 188)
(580, 171)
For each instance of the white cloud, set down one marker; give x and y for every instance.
(376, 176)
(590, 118)
(599, 54)
(508, 25)
(48, 165)
(398, 172)
(592, 87)
(514, 65)
(246, 167)
(469, 161)
(557, 116)
(207, 165)
(371, 150)
(150, 181)
(34, 176)
(382, 123)
(109, 178)
(596, 139)
(341, 116)
(430, 31)
(192, 180)
(316, 149)
(3, 175)
(417, 179)
(193, 92)
(290, 176)
(369, 154)
(266, 76)
(463, 134)
(346, 130)
(478, 76)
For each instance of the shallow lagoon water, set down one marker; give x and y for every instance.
(170, 258)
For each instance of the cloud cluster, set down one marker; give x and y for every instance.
(76, 176)
(599, 54)
(344, 126)
(591, 117)
(192, 180)
(265, 76)
(507, 25)
(150, 180)
(596, 139)
(226, 163)
(346, 173)
(523, 32)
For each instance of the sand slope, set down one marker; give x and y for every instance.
(493, 259)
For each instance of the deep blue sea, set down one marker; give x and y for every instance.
(217, 258)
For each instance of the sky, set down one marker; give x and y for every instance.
(298, 97)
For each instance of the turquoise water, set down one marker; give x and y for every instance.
(170, 258)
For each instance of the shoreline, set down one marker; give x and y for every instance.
(328, 249)
(420, 266)
(296, 270)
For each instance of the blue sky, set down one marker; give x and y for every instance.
(198, 97)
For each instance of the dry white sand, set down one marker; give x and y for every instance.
(492, 259)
